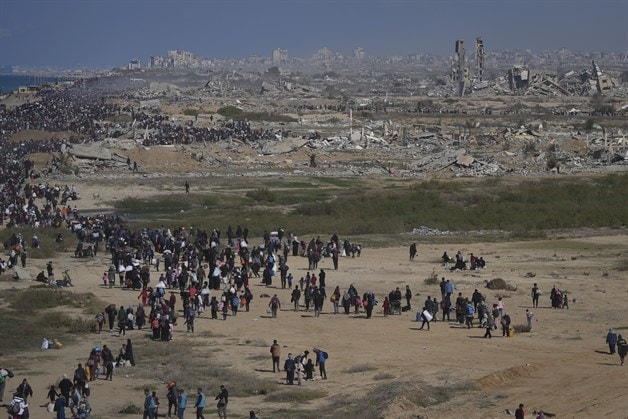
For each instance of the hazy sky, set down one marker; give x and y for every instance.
(108, 33)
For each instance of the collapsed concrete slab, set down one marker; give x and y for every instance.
(285, 146)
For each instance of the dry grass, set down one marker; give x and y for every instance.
(195, 369)
(295, 394)
(358, 368)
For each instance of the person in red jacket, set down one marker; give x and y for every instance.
(519, 413)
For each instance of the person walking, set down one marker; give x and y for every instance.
(59, 406)
(529, 316)
(505, 322)
(182, 403)
(611, 339)
(100, 320)
(274, 305)
(425, 317)
(490, 322)
(321, 358)
(171, 395)
(275, 350)
(535, 294)
(296, 296)
(622, 348)
(408, 297)
(5, 374)
(412, 251)
(223, 400)
(149, 405)
(25, 390)
(200, 404)
(122, 319)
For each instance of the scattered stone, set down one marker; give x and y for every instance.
(427, 231)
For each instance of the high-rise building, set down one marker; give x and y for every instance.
(479, 59)
(134, 64)
(280, 55)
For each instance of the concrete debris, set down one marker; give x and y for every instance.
(427, 231)
(281, 147)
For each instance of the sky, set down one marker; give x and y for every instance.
(109, 33)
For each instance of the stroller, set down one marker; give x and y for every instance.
(395, 307)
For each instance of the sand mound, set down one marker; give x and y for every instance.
(498, 378)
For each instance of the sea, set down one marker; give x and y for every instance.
(11, 82)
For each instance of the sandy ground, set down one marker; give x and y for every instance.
(562, 366)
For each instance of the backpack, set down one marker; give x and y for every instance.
(325, 355)
(14, 408)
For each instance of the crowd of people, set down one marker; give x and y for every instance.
(301, 366)
(69, 393)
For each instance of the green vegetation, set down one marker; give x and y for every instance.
(265, 116)
(131, 409)
(47, 236)
(415, 394)
(432, 279)
(295, 395)
(551, 160)
(521, 328)
(196, 369)
(358, 368)
(190, 112)
(230, 112)
(237, 114)
(355, 207)
(31, 314)
(261, 194)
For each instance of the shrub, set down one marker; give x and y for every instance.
(357, 368)
(261, 194)
(190, 112)
(432, 279)
(230, 111)
(551, 161)
(131, 409)
(521, 328)
(499, 284)
(265, 116)
(529, 148)
(295, 396)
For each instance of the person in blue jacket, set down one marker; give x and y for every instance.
(200, 404)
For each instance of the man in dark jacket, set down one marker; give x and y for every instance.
(223, 399)
(65, 385)
(24, 390)
(289, 367)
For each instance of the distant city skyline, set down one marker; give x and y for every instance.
(108, 33)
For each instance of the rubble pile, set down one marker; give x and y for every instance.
(427, 231)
